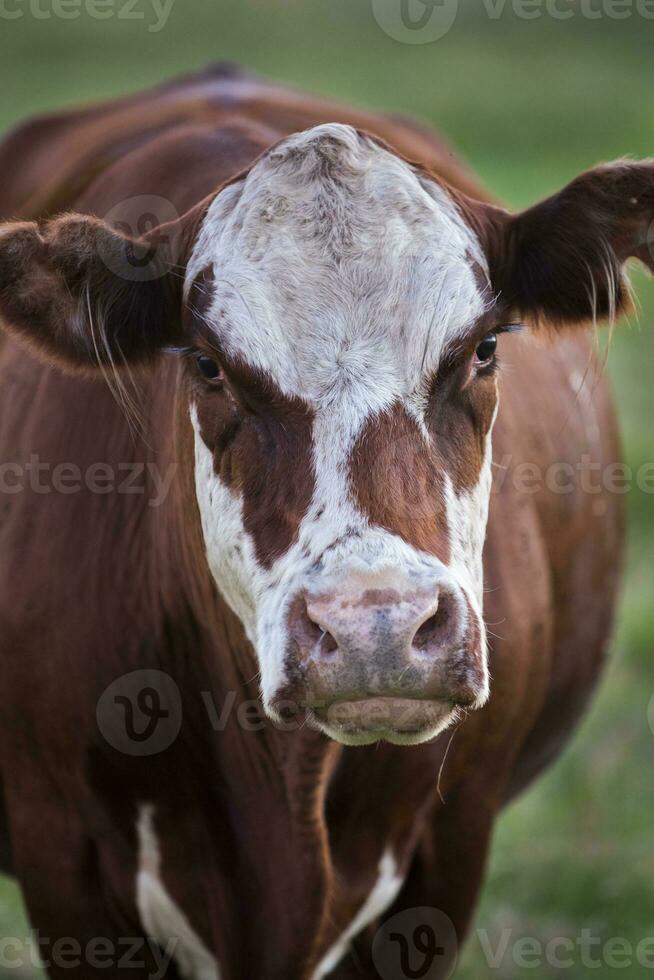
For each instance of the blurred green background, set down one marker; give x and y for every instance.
(529, 103)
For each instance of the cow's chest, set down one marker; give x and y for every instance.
(181, 930)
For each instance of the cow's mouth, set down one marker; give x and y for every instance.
(402, 721)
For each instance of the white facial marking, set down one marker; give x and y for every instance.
(163, 921)
(342, 273)
(383, 895)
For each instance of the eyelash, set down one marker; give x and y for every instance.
(486, 368)
(489, 366)
(192, 356)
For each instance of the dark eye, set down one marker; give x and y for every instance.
(209, 368)
(487, 348)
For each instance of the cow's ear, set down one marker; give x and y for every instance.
(83, 295)
(562, 261)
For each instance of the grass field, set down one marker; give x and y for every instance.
(529, 103)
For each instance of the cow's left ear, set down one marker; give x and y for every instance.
(84, 295)
(562, 261)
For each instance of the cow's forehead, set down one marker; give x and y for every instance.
(336, 265)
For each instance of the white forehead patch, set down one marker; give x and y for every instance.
(339, 269)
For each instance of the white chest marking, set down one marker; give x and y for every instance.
(162, 919)
(383, 894)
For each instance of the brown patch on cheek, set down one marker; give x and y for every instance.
(459, 420)
(277, 479)
(398, 482)
(219, 423)
(261, 442)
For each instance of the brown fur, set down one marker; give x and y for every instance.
(259, 437)
(398, 483)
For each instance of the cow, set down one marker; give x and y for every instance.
(284, 621)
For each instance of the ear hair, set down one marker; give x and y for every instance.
(562, 261)
(82, 294)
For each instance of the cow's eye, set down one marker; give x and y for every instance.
(209, 368)
(486, 348)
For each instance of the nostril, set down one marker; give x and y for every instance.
(328, 644)
(309, 634)
(323, 639)
(431, 633)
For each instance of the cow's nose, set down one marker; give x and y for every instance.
(401, 640)
(372, 660)
(390, 624)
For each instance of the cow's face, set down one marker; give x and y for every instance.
(339, 321)
(343, 395)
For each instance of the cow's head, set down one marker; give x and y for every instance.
(338, 325)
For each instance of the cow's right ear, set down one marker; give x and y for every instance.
(83, 295)
(562, 261)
